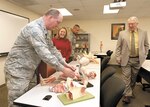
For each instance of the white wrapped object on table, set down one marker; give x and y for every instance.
(84, 61)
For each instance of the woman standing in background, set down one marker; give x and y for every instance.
(62, 43)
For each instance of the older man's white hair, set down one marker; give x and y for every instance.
(133, 19)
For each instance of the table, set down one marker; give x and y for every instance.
(34, 96)
(100, 55)
(146, 65)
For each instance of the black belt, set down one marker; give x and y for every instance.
(133, 56)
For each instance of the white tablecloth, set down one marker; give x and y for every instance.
(146, 65)
(35, 95)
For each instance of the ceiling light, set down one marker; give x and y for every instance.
(117, 5)
(64, 12)
(107, 10)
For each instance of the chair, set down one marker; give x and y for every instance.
(148, 56)
(108, 72)
(146, 76)
(111, 92)
(104, 62)
(143, 73)
(109, 53)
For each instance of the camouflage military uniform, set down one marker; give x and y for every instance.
(72, 39)
(32, 45)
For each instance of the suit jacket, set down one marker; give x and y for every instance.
(123, 47)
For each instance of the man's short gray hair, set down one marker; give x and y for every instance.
(53, 12)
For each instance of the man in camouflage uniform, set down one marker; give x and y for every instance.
(33, 45)
(73, 37)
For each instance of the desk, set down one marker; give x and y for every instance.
(34, 96)
(45, 70)
(100, 55)
(146, 65)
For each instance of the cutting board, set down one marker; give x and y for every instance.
(65, 101)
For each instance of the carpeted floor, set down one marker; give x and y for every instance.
(141, 99)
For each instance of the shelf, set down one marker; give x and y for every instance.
(82, 43)
(82, 40)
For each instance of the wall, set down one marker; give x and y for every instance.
(100, 30)
(4, 5)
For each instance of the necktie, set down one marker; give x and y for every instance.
(132, 44)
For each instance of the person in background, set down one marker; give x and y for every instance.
(33, 45)
(131, 51)
(62, 43)
(73, 37)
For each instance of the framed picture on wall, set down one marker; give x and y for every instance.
(115, 29)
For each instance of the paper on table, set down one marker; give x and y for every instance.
(146, 65)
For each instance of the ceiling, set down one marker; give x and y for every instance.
(87, 9)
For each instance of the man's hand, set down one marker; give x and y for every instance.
(69, 72)
(70, 66)
(118, 61)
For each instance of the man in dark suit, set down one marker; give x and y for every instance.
(131, 51)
